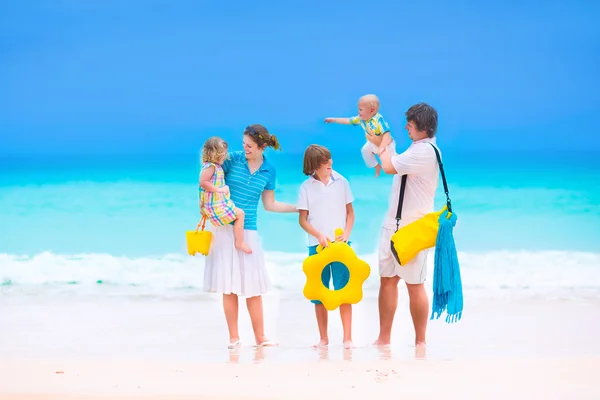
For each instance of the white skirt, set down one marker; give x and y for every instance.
(228, 270)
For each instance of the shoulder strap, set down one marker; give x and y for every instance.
(439, 160)
(400, 201)
(403, 188)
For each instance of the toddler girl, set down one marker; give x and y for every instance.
(215, 203)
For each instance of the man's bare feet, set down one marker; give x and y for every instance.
(420, 350)
(348, 344)
(377, 170)
(322, 343)
(241, 245)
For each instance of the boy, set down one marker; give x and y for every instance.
(324, 204)
(377, 130)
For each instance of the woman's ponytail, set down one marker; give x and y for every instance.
(261, 136)
(274, 143)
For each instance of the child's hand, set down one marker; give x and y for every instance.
(329, 120)
(224, 189)
(323, 240)
(342, 238)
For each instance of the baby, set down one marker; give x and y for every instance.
(215, 203)
(377, 130)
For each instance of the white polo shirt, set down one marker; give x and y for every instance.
(420, 164)
(326, 204)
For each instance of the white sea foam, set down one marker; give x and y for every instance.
(510, 275)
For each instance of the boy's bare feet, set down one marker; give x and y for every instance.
(380, 342)
(241, 245)
(377, 170)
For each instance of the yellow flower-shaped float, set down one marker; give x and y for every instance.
(313, 267)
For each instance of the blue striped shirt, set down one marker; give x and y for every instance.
(246, 188)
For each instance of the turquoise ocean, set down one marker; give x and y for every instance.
(529, 223)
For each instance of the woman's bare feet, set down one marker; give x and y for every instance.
(348, 344)
(234, 343)
(241, 245)
(322, 343)
(264, 342)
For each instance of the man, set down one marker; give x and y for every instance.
(420, 165)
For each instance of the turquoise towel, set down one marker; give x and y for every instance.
(447, 286)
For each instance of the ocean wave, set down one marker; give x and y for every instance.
(492, 274)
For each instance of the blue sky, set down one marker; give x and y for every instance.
(160, 76)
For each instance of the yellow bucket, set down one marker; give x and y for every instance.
(198, 241)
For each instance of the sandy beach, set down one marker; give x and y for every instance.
(547, 378)
(175, 350)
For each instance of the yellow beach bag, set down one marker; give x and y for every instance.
(198, 241)
(421, 234)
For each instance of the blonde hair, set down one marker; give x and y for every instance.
(214, 149)
(371, 100)
(261, 136)
(315, 156)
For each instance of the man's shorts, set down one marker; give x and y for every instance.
(414, 272)
(335, 272)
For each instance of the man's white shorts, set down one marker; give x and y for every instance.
(414, 272)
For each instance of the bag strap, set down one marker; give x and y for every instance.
(400, 201)
(403, 188)
(441, 164)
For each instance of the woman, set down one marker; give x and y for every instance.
(250, 177)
